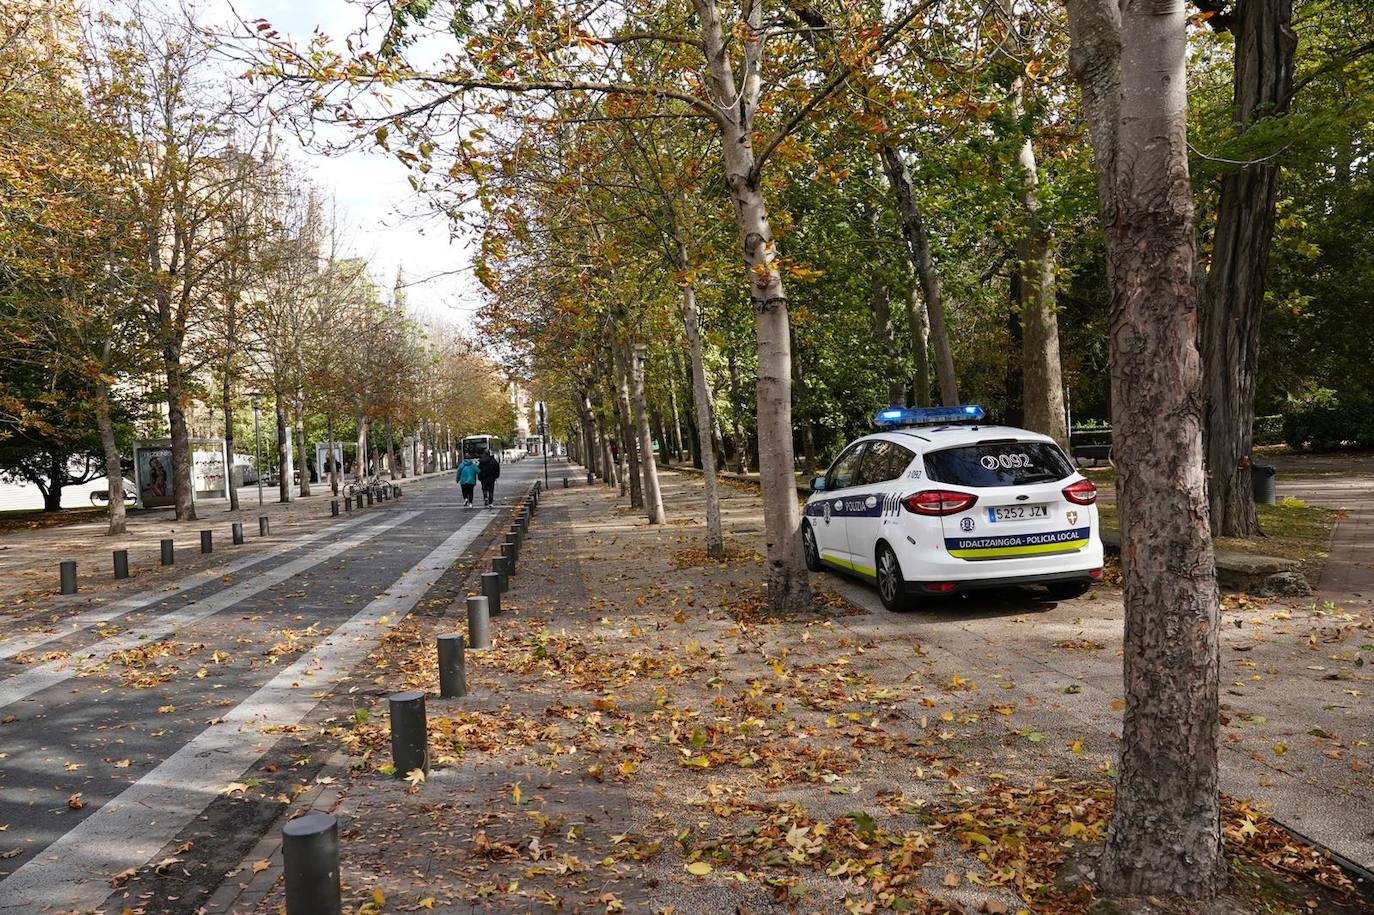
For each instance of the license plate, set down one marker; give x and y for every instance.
(1018, 512)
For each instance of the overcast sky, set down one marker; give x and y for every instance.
(376, 203)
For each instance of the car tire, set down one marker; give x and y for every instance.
(1068, 590)
(891, 584)
(810, 550)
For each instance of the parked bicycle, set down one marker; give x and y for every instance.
(358, 487)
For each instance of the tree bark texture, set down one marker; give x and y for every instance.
(1233, 302)
(919, 324)
(180, 435)
(284, 471)
(300, 449)
(701, 398)
(114, 470)
(918, 243)
(1164, 837)
(629, 445)
(390, 449)
(653, 496)
(788, 588)
(360, 455)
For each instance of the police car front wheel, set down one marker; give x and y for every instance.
(891, 584)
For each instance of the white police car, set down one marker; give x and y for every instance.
(939, 503)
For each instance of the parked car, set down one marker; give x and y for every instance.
(938, 502)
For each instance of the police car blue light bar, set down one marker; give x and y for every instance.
(917, 416)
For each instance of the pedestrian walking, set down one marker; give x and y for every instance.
(467, 478)
(488, 469)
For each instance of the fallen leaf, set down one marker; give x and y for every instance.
(699, 868)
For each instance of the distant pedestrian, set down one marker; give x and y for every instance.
(488, 469)
(467, 478)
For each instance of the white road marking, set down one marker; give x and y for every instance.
(28, 641)
(40, 677)
(74, 872)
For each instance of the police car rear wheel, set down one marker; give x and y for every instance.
(1068, 590)
(891, 585)
(812, 553)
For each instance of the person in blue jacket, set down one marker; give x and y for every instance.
(467, 478)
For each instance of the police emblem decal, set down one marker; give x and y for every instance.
(966, 524)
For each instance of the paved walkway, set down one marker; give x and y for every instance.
(149, 735)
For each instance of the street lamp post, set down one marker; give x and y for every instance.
(257, 446)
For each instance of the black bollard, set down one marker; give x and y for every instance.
(395, 492)
(66, 572)
(499, 566)
(512, 563)
(207, 541)
(334, 508)
(491, 590)
(236, 530)
(168, 553)
(479, 623)
(348, 504)
(369, 498)
(121, 563)
(264, 526)
(310, 854)
(591, 478)
(516, 536)
(453, 683)
(409, 733)
(565, 482)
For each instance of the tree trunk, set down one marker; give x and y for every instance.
(114, 470)
(333, 461)
(227, 405)
(918, 244)
(285, 469)
(701, 397)
(788, 588)
(736, 408)
(608, 474)
(390, 448)
(808, 437)
(919, 323)
(360, 456)
(57, 479)
(305, 458)
(1042, 377)
(1233, 303)
(1164, 837)
(629, 450)
(881, 298)
(672, 400)
(180, 435)
(653, 496)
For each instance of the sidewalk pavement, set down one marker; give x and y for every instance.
(643, 737)
(29, 558)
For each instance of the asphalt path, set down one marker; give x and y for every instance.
(122, 725)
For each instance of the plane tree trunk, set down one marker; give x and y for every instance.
(1164, 836)
(653, 497)
(1233, 301)
(918, 244)
(788, 588)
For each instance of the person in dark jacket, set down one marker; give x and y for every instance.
(488, 469)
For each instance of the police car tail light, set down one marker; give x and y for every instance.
(939, 502)
(1082, 493)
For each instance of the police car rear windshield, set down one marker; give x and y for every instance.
(998, 464)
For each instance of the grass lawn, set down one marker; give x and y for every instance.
(1292, 530)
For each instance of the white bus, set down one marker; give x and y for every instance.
(474, 446)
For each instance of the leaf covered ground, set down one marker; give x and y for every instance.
(642, 737)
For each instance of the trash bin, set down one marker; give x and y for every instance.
(1262, 483)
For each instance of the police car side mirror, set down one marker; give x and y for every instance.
(818, 484)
